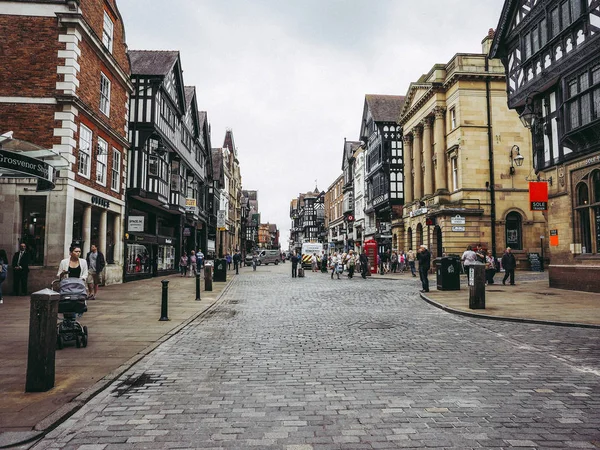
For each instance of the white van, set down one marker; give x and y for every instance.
(310, 248)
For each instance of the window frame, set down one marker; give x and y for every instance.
(108, 29)
(115, 179)
(105, 86)
(453, 121)
(101, 161)
(518, 245)
(87, 152)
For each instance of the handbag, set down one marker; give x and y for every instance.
(339, 268)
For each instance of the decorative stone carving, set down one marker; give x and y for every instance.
(439, 112)
(426, 122)
(561, 176)
(417, 132)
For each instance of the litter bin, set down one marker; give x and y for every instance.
(448, 273)
(220, 271)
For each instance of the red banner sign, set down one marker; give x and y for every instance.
(538, 196)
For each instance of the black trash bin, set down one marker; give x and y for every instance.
(448, 273)
(220, 270)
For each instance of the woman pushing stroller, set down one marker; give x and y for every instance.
(74, 266)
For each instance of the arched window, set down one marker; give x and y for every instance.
(419, 235)
(596, 186)
(409, 239)
(583, 217)
(514, 231)
(395, 241)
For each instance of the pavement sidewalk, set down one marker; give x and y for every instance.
(123, 327)
(530, 300)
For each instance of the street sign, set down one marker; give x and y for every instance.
(221, 220)
(458, 228)
(458, 220)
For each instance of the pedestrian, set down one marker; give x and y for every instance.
(313, 263)
(193, 263)
(199, 260)
(402, 261)
(254, 261)
(20, 264)
(491, 262)
(424, 258)
(237, 257)
(183, 264)
(95, 262)
(394, 261)
(74, 266)
(324, 261)
(387, 261)
(295, 259)
(351, 263)
(468, 258)
(364, 264)
(229, 260)
(333, 263)
(509, 263)
(411, 262)
(3, 270)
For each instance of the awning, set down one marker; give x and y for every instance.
(22, 159)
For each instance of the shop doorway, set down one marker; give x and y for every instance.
(33, 233)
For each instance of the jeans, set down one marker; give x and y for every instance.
(509, 273)
(411, 264)
(294, 271)
(424, 280)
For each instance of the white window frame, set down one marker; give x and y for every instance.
(452, 118)
(85, 151)
(454, 162)
(108, 32)
(101, 161)
(104, 95)
(115, 181)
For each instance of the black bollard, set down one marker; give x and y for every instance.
(42, 341)
(476, 286)
(198, 287)
(165, 300)
(208, 278)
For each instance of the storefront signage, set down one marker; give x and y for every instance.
(187, 232)
(554, 238)
(458, 220)
(378, 200)
(221, 220)
(17, 164)
(538, 196)
(418, 212)
(100, 202)
(458, 228)
(168, 241)
(135, 223)
(190, 205)
(586, 162)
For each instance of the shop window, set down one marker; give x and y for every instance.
(34, 227)
(166, 257)
(77, 231)
(110, 238)
(514, 231)
(583, 217)
(139, 259)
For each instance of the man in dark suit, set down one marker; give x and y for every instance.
(20, 264)
(424, 258)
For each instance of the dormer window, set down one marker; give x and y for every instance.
(107, 32)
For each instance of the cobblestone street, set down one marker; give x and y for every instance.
(315, 363)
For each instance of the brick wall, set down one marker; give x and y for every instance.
(33, 123)
(29, 58)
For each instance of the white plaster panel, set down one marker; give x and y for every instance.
(66, 70)
(64, 116)
(63, 132)
(67, 54)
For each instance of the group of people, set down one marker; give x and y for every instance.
(192, 264)
(492, 264)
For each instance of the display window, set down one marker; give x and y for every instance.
(139, 259)
(166, 257)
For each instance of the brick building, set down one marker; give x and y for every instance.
(65, 87)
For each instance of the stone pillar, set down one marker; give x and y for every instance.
(87, 229)
(408, 176)
(417, 163)
(439, 135)
(102, 232)
(427, 157)
(118, 250)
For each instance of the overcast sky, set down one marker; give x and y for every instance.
(289, 76)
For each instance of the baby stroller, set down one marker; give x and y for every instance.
(72, 303)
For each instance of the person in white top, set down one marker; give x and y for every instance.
(313, 262)
(74, 266)
(469, 257)
(334, 261)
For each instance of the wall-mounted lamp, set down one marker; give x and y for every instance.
(528, 115)
(160, 149)
(516, 159)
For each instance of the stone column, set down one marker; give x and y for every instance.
(408, 176)
(439, 135)
(417, 163)
(118, 250)
(87, 229)
(102, 231)
(427, 157)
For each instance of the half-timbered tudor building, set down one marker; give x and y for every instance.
(167, 174)
(308, 219)
(65, 87)
(348, 190)
(384, 179)
(551, 54)
(462, 185)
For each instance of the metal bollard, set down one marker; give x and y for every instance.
(42, 341)
(477, 286)
(208, 278)
(198, 287)
(165, 300)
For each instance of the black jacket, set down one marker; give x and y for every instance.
(100, 261)
(25, 261)
(508, 261)
(424, 259)
(295, 259)
(364, 260)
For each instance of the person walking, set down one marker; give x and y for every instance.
(199, 260)
(73, 266)
(193, 263)
(490, 267)
(468, 258)
(96, 263)
(424, 258)
(324, 261)
(254, 261)
(237, 257)
(20, 265)
(510, 264)
(364, 264)
(295, 259)
(351, 263)
(313, 263)
(228, 260)
(394, 261)
(183, 264)
(411, 262)
(3, 270)
(333, 261)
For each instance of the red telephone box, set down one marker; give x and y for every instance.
(371, 247)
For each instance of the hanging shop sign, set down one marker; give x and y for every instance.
(135, 223)
(17, 165)
(221, 220)
(538, 196)
(190, 205)
(554, 238)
